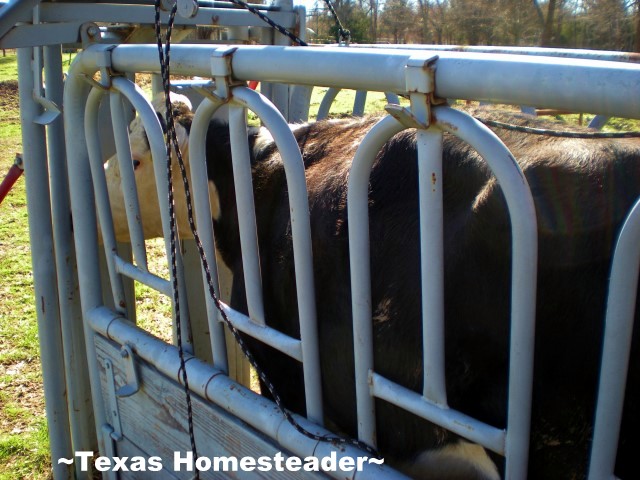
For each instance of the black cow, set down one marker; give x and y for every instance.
(582, 190)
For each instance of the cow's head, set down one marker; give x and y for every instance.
(144, 173)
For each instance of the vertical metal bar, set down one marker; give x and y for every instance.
(359, 102)
(325, 105)
(91, 128)
(246, 212)
(358, 215)
(83, 434)
(44, 272)
(616, 348)
(280, 94)
(301, 235)
(429, 145)
(84, 224)
(199, 180)
(127, 177)
(523, 276)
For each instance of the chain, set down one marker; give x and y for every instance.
(558, 133)
(172, 142)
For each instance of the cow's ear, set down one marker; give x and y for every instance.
(184, 119)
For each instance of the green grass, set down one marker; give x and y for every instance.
(24, 445)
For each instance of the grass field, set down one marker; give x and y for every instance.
(23, 429)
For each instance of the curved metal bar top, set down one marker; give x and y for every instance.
(515, 443)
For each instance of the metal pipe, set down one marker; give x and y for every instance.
(127, 179)
(143, 276)
(84, 220)
(454, 421)
(301, 237)
(44, 268)
(246, 212)
(359, 260)
(430, 181)
(83, 435)
(211, 384)
(523, 276)
(96, 162)
(202, 207)
(618, 333)
(594, 86)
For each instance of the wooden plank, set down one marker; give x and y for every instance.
(154, 421)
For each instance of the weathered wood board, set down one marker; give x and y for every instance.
(154, 424)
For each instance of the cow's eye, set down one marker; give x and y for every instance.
(136, 163)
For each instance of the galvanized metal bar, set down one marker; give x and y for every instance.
(144, 14)
(359, 102)
(575, 53)
(16, 11)
(269, 336)
(523, 276)
(83, 435)
(143, 276)
(619, 320)
(44, 268)
(453, 420)
(127, 179)
(429, 145)
(216, 387)
(84, 220)
(246, 212)
(91, 128)
(203, 214)
(327, 100)
(359, 259)
(301, 236)
(152, 127)
(595, 86)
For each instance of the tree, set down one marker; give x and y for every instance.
(397, 17)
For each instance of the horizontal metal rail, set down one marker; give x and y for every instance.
(213, 385)
(607, 88)
(575, 53)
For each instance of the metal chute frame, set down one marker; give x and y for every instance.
(249, 64)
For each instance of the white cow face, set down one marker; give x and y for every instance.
(145, 176)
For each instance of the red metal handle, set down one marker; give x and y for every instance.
(14, 173)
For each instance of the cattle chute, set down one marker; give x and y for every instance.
(611, 84)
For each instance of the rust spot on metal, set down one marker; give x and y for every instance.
(122, 304)
(434, 179)
(42, 304)
(215, 19)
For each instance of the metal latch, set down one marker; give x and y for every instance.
(131, 375)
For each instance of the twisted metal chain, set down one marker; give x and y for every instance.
(171, 140)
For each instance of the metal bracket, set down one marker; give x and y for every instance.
(110, 448)
(89, 34)
(421, 85)
(405, 116)
(222, 72)
(131, 375)
(115, 432)
(104, 64)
